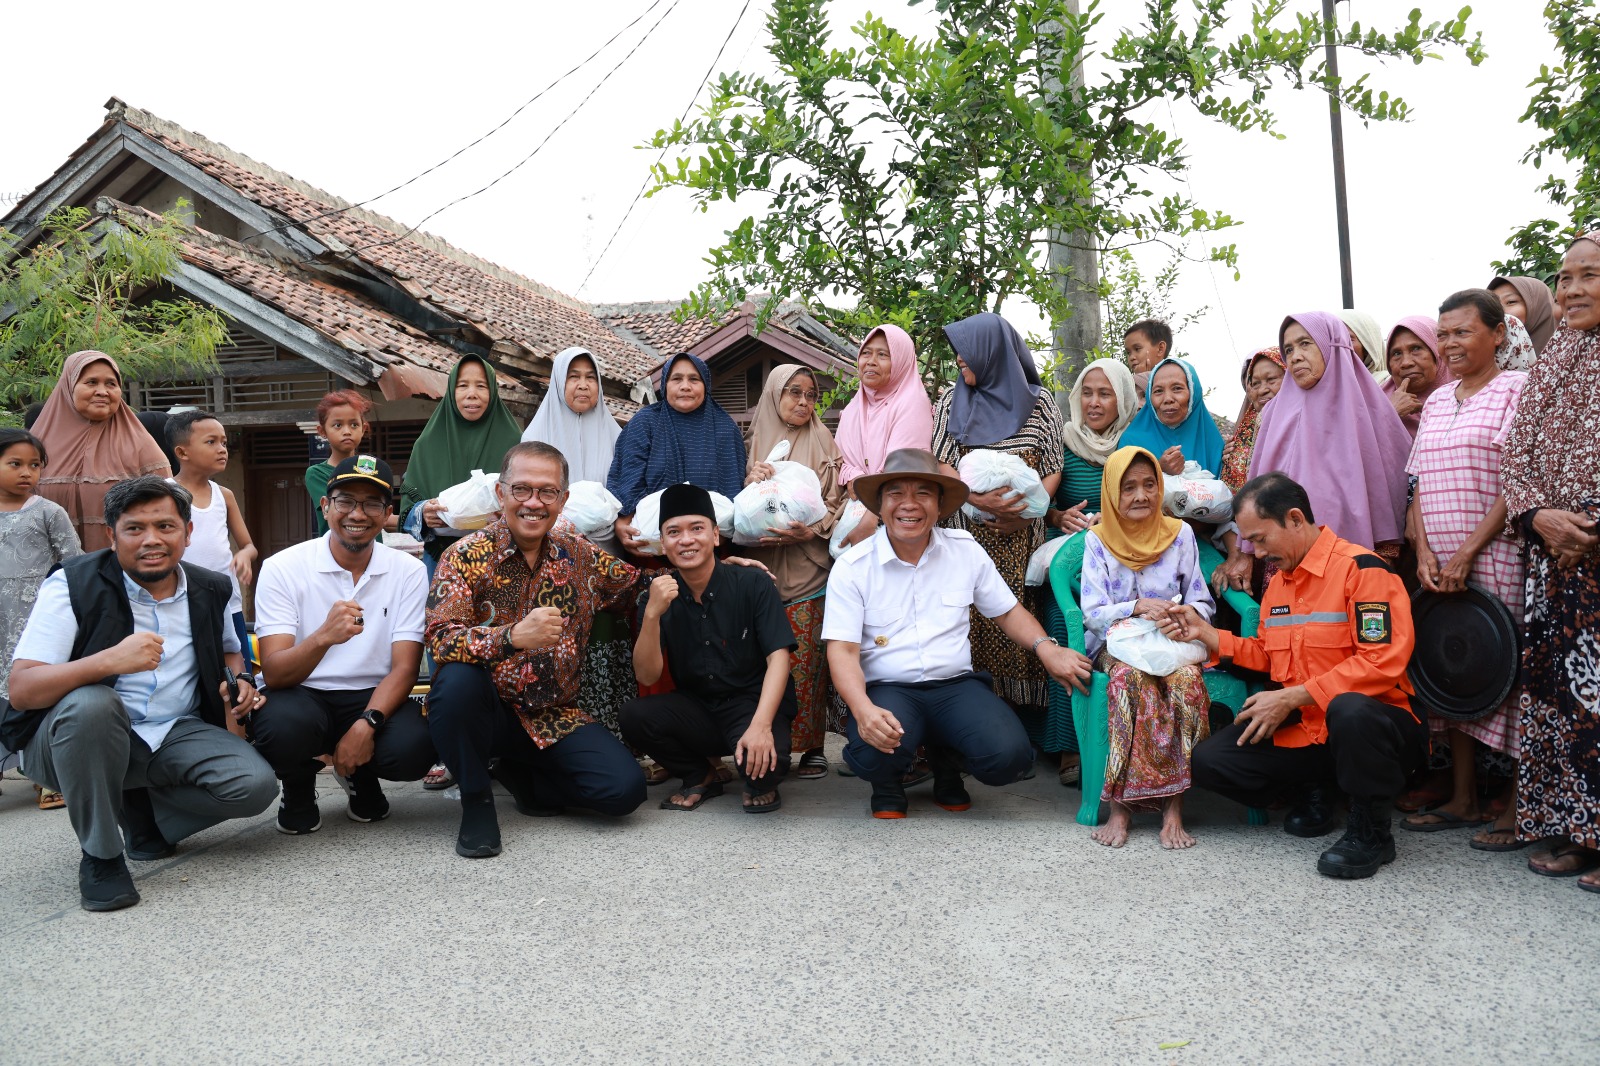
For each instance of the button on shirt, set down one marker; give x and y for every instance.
(717, 647)
(912, 621)
(299, 585)
(154, 698)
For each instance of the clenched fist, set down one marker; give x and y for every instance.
(663, 590)
(135, 654)
(539, 628)
(343, 622)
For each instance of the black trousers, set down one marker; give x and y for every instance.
(681, 732)
(1371, 749)
(587, 768)
(298, 724)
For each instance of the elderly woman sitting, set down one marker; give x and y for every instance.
(1136, 563)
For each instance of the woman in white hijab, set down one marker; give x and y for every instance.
(574, 416)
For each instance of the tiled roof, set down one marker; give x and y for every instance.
(655, 325)
(498, 303)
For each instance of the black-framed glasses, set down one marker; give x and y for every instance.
(347, 504)
(808, 395)
(523, 493)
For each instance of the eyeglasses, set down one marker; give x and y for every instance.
(347, 504)
(522, 493)
(808, 395)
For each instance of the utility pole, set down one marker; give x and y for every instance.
(1075, 261)
(1341, 199)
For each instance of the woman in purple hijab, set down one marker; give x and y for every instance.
(1333, 430)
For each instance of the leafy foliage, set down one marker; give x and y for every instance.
(1566, 106)
(919, 181)
(84, 287)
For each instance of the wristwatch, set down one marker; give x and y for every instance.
(374, 718)
(1041, 640)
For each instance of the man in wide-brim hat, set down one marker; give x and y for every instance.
(897, 625)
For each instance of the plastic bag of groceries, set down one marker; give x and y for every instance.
(647, 520)
(849, 519)
(984, 471)
(1197, 494)
(1140, 643)
(591, 508)
(471, 504)
(1039, 562)
(792, 494)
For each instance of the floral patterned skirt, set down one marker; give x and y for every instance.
(809, 669)
(1558, 793)
(1155, 722)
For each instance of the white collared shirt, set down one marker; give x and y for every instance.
(912, 622)
(154, 698)
(299, 585)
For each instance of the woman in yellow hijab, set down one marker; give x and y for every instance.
(1136, 562)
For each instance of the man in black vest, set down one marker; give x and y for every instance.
(119, 698)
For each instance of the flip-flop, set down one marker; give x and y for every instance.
(765, 808)
(1447, 820)
(656, 774)
(49, 798)
(1483, 845)
(1589, 862)
(1589, 886)
(706, 791)
(1420, 799)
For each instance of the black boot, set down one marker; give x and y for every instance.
(105, 884)
(889, 801)
(948, 791)
(1315, 815)
(145, 842)
(1366, 845)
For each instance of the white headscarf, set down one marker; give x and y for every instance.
(587, 440)
(1084, 442)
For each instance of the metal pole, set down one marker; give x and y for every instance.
(1341, 199)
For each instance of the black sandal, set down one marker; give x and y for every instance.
(763, 808)
(709, 790)
(813, 764)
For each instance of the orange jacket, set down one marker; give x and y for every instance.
(1339, 622)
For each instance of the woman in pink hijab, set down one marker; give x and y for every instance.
(890, 410)
(1332, 429)
(1415, 369)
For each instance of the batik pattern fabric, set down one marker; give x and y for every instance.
(1018, 675)
(606, 679)
(1558, 779)
(1456, 461)
(1154, 724)
(808, 666)
(484, 586)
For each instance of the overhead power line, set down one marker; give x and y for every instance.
(663, 153)
(468, 147)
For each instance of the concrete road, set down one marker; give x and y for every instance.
(812, 935)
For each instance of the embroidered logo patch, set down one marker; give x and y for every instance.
(1372, 623)
(366, 464)
(881, 641)
(1283, 609)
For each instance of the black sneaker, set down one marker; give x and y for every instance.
(105, 884)
(948, 791)
(1316, 815)
(145, 842)
(479, 837)
(367, 801)
(1366, 846)
(297, 811)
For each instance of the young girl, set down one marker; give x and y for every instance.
(342, 419)
(35, 535)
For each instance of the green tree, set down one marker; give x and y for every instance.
(1566, 106)
(97, 283)
(917, 181)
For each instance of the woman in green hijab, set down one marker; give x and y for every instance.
(470, 430)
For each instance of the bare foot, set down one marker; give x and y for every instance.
(1173, 836)
(1114, 833)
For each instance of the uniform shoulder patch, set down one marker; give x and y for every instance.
(1372, 562)
(1373, 623)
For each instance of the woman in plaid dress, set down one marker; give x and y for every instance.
(1457, 526)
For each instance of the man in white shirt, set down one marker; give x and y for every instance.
(896, 623)
(339, 620)
(120, 700)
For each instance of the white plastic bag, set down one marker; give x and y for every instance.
(984, 471)
(1140, 643)
(1197, 494)
(471, 504)
(1039, 562)
(792, 494)
(849, 519)
(647, 520)
(591, 508)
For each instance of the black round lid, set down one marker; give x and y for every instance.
(1468, 652)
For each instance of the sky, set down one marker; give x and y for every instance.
(356, 98)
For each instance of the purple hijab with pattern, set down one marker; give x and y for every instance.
(1340, 439)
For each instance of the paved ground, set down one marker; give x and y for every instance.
(813, 935)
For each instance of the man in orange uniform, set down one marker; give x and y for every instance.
(1336, 624)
